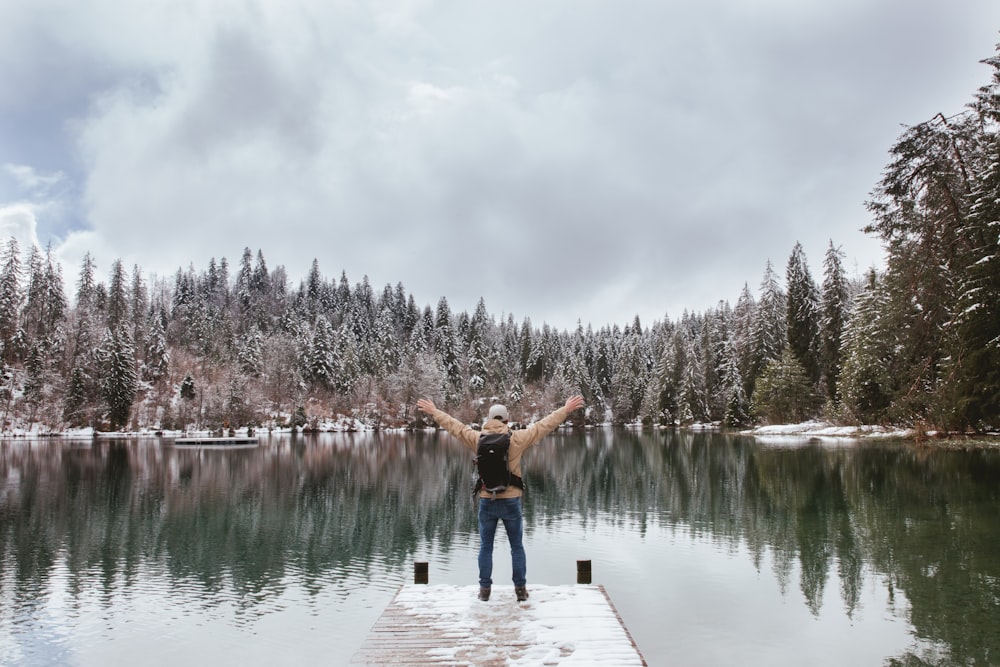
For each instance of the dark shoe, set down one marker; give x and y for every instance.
(521, 592)
(484, 594)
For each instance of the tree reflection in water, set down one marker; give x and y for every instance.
(925, 522)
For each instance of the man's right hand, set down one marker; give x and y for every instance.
(572, 404)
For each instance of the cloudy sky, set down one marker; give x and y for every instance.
(565, 160)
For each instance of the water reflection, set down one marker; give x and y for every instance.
(238, 528)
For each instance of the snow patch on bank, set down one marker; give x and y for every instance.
(820, 429)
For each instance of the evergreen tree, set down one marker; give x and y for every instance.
(79, 398)
(836, 307)
(921, 208)
(976, 366)
(349, 366)
(738, 410)
(55, 304)
(314, 288)
(321, 360)
(784, 391)
(84, 338)
(744, 317)
(157, 356)
(769, 326)
(532, 355)
(34, 380)
(11, 296)
(118, 302)
(477, 349)
(31, 317)
(118, 381)
(249, 352)
(411, 317)
(386, 345)
(447, 348)
(802, 308)
(138, 307)
(244, 289)
(867, 384)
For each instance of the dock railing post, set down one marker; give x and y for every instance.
(420, 572)
(583, 572)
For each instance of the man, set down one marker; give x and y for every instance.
(502, 505)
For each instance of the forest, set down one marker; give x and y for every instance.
(914, 343)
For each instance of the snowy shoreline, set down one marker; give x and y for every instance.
(808, 429)
(827, 430)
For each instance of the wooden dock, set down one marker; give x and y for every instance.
(448, 625)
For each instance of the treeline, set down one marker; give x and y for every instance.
(208, 349)
(917, 343)
(211, 349)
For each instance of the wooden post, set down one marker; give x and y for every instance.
(420, 573)
(583, 572)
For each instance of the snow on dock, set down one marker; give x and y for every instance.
(448, 625)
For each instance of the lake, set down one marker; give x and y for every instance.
(716, 549)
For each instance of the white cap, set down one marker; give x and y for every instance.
(499, 412)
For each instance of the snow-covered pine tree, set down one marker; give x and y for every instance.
(84, 336)
(737, 411)
(34, 298)
(977, 362)
(386, 345)
(11, 296)
(660, 398)
(744, 316)
(45, 301)
(448, 351)
(118, 312)
(715, 342)
(866, 378)
(784, 391)
(349, 366)
(802, 313)
(321, 356)
(77, 406)
(313, 292)
(157, 356)
(694, 388)
(477, 349)
(769, 326)
(249, 352)
(34, 380)
(118, 380)
(836, 308)
(920, 208)
(531, 354)
(244, 289)
(411, 317)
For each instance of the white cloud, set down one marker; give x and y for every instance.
(30, 180)
(19, 221)
(565, 161)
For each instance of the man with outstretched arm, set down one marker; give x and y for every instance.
(502, 505)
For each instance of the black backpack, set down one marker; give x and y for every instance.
(491, 464)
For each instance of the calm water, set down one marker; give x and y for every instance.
(715, 549)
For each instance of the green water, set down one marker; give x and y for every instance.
(715, 549)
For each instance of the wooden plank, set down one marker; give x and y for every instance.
(448, 625)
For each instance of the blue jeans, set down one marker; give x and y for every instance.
(507, 510)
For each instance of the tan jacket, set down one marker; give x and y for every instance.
(520, 440)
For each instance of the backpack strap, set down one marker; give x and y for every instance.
(514, 481)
